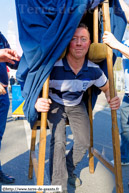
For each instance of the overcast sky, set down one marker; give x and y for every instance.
(7, 13)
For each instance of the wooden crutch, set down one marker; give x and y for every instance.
(95, 40)
(43, 133)
(115, 130)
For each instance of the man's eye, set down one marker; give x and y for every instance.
(83, 39)
(74, 39)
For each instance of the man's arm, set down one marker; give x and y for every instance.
(8, 55)
(125, 8)
(114, 102)
(110, 40)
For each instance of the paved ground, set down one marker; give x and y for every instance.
(15, 153)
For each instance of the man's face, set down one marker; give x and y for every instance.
(80, 43)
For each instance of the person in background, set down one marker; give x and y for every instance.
(12, 82)
(7, 57)
(110, 40)
(123, 47)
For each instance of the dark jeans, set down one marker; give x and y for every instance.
(125, 129)
(60, 165)
(4, 107)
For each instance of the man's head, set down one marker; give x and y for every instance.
(80, 42)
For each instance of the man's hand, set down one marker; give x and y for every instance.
(2, 89)
(8, 55)
(114, 103)
(43, 105)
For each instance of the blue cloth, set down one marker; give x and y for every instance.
(45, 29)
(67, 88)
(124, 112)
(125, 62)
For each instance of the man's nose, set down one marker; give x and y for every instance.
(78, 41)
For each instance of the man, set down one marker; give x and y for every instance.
(110, 40)
(69, 79)
(6, 55)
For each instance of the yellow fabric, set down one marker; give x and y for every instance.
(97, 52)
(19, 110)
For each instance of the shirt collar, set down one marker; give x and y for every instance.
(67, 67)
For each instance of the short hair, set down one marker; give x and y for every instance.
(83, 25)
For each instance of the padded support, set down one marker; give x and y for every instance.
(97, 52)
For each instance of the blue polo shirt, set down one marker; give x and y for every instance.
(67, 88)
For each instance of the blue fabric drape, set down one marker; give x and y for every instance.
(45, 29)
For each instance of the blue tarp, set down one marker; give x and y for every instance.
(45, 29)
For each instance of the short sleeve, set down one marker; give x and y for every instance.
(101, 81)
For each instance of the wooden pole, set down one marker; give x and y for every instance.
(95, 25)
(33, 139)
(95, 39)
(42, 143)
(115, 130)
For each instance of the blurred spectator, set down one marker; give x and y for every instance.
(12, 82)
(6, 55)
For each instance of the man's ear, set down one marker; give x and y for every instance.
(89, 43)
